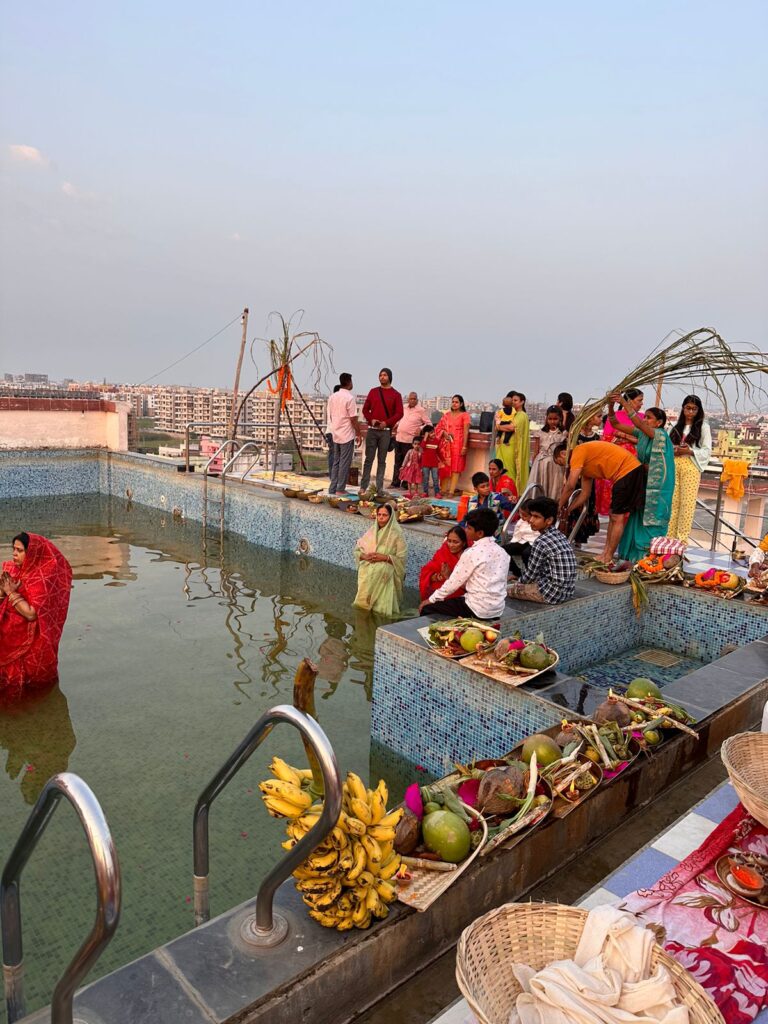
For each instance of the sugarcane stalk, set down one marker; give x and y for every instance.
(562, 786)
(428, 865)
(638, 706)
(304, 700)
(598, 745)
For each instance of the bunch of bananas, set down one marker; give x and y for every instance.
(346, 882)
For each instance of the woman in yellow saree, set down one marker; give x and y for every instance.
(380, 555)
(513, 435)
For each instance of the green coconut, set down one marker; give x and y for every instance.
(547, 751)
(641, 688)
(536, 657)
(446, 835)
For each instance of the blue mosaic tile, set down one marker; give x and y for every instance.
(719, 804)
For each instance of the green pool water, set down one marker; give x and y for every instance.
(173, 647)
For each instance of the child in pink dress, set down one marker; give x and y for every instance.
(410, 471)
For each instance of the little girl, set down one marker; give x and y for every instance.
(410, 471)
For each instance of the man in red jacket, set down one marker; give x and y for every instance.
(383, 410)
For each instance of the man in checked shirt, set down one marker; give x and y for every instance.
(550, 576)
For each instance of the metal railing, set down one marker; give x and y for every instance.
(508, 526)
(266, 928)
(107, 870)
(239, 452)
(268, 424)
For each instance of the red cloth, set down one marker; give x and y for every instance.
(505, 483)
(717, 936)
(390, 410)
(437, 570)
(29, 650)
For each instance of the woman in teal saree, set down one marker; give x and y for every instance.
(656, 453)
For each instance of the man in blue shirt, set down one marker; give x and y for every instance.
(550, 576)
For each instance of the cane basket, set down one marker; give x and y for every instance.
(612, 578)
(745, 756)
(537, 934)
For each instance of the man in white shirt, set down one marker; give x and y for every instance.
(414, 418)
(345, 429)
(482, 570)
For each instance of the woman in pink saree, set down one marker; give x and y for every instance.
(34, 599)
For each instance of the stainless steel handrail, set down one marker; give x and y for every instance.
(580, 518)
(308, 727)
(107, 869)
(218, 452)
(238, 453)
(529, 489)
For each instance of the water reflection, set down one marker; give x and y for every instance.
(37, 733)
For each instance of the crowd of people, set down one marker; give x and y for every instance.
(628, 465)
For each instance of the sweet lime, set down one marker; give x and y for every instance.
(447, 835)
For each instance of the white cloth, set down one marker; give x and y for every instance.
(341, 408)
(757, 557)
(609, 980)
(523, 533)
(482, 570)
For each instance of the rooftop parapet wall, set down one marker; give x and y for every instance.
(63, 423)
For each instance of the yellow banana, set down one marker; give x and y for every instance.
(365, 923)
(365, 879)
(386, 891)
(286, 791)
(359, 914)
(380, 908)
(338, 838)
(372, 899)
(360, 809)
(305, 774)
(326, 920)
(390, 869)
(317, 885)
(344, 904)
(324, 900)
(280, 808)
(372, 848)
(377, 805)
(323, 861)
(355, 827)
(359, 859)
(382, 833)
(346, 860)
(345, 924)
(387, 849)
(392, 819)
(288, 844)
(383, 792)
(356, 788)
(282, 770)
(372, 867)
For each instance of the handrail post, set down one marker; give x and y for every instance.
(718, 509)
(264, 929)
(107, 870)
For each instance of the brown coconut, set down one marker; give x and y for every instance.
(612, 710)
(497, 788)
(407, 833)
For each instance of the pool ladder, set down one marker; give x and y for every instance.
(262, 929)
(71, 787)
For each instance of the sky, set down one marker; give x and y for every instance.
(482, 196)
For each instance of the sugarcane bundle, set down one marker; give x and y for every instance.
(700, 357)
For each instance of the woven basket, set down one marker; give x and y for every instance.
(745, 755)
(612, 577)
(538, 934)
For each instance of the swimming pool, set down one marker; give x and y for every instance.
(173, 647)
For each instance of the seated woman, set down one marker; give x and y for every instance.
(380, 555)
(34, 599)
(437, 570)
(501, 483)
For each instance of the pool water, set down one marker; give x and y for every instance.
(174, 645)
(661, 666)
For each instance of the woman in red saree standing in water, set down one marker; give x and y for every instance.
(34, 598)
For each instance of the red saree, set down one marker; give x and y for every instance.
(29, 650)
(437, 570)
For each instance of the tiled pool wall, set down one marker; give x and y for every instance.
(256, 513)
(434, 712)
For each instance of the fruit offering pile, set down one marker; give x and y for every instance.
(458, 637)
(524, 656)
(346, 881)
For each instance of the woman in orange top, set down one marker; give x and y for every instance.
(602, 461)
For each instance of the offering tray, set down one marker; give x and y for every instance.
(486, 664)
(455, 651)
(723, 871)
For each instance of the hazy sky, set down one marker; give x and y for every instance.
(483, 196)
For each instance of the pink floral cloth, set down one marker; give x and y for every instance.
(719, 937)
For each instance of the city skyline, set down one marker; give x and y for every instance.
(550, 190)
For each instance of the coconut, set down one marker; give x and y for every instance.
(566, 735)
(535, 656)
(641, 688)
(612, 710)
(407, 833)
(497, 788)
(547, 751)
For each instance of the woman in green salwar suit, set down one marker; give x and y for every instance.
(656, 452)
(380, 554)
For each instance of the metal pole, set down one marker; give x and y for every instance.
(718, 509)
